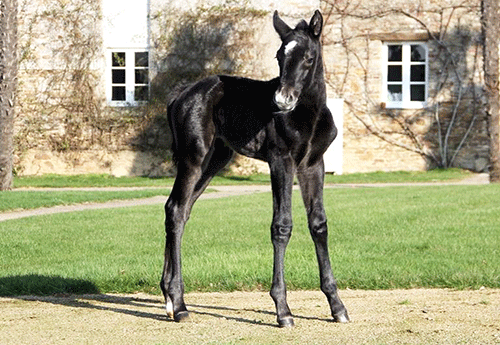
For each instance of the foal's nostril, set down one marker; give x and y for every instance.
(286, 98)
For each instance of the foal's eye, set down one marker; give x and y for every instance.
(309, 60)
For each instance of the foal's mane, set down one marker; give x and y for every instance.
(302, 25)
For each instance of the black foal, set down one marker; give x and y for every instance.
(284, 122)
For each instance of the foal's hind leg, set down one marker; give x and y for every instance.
(190, 183)
(311, 185)
(176, 214)
(218, 157)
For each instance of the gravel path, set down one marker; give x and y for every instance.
(219, 192)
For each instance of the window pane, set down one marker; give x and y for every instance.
(141, 93)
(417, 73)
(395, 53)
(394, 73)
(418, 93)
(118, 59)
(118, 76)
(141, 59)
(141, 76)
(394, 93)
(118, 93)
(418, 53)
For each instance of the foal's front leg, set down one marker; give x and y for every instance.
(311, 181)
(282, 172)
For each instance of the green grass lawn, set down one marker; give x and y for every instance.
(436, 175)
(102, 180)
(92, 180)
(25, 199)
(380, 238)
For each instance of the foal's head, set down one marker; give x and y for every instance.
(299, 59)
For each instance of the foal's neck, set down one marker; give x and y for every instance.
(315, 93)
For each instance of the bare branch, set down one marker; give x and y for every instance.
(437, 21)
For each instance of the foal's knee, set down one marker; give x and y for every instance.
(281, 231)
(319, 230)
(318, 225)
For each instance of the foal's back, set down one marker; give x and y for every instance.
(237, 110)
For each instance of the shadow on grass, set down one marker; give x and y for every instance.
(78, 293)
(34, 284)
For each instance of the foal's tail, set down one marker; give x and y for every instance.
(172, 131)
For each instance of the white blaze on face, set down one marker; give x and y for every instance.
(289, 47)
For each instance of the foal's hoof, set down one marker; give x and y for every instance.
(286, 322)
(182, 316)
(341, 317)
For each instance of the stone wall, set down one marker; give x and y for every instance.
(376, 138)
(63, 123)
(65, 126)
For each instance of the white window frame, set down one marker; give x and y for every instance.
(130, 82)
(406, 102)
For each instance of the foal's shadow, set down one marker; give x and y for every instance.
(138, 306)
(117, 304)
(221, 315)
(78, 293)
(218, 312)
(151, 308)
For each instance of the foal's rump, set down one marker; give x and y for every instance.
(190, 117)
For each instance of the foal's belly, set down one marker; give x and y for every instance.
(251, 147)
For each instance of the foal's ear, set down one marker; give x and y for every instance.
(280, 26)
(316, 24)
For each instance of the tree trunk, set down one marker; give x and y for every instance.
(491, 31)
(8, 82)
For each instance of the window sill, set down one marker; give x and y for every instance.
(403, 105)
(124, 104)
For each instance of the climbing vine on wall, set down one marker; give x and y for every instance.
(60, 46)
(453, 113)
(62, 95)
(196, 44)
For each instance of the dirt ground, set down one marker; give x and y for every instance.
(417, 316)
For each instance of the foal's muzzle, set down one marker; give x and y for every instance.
(286, 98)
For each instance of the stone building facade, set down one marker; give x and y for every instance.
(410, 73)
(94, 76)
